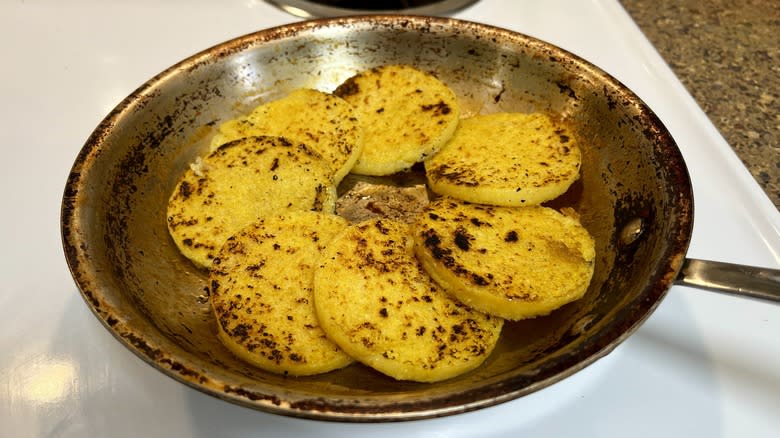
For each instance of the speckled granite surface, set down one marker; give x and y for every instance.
(727, 54)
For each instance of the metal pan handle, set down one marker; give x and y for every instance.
(751, 281)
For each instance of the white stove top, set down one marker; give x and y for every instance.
(702, 365)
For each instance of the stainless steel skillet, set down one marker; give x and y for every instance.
(634, 196)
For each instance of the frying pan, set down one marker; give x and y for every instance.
(634, 196)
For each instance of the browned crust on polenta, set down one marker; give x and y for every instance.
(261, 292)
(399, 321)
(513, 262)
(324, 122)
(207, 201)
(407, 115)
(506, 159)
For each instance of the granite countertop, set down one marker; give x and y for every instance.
(727, 54)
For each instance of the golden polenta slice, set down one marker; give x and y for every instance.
(376, 302)
(406, 115)
(240, 182)
(508, 159)
(322, 121)
(512, 262)
(261, 291)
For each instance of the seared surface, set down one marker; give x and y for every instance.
(512, 262)
(406, 114)
(240, 182)
(319, 120)
(261, 292)
(377, 303)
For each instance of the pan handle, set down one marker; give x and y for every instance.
(751, 281)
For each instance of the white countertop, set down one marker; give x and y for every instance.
(703, 365)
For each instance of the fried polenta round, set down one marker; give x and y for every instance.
(376, 302)
(506, 159)
(406, 114)
(240, 182)
(512, 262)
(260, 288)
(322, 121)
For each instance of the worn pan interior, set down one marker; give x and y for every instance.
(634, 197)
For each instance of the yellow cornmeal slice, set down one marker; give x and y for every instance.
(261, 292)
(507, 159)
(512, 262)
(376, 302)
(406, 115)
(240, 182)
(322, 121)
